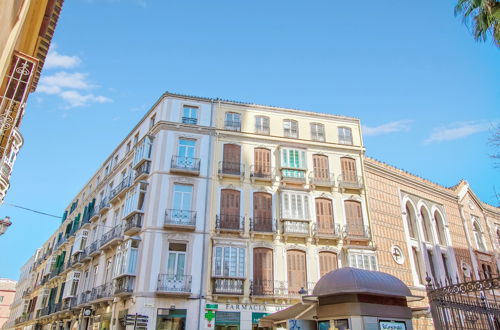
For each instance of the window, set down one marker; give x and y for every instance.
(478, 234)
(296, 270)
(134, 201)
(445, 264)
(126, 258)
(327, 262)
(182, 202)
(136, 138)
(324, 216)
(190, 115)
(229, 261)
(262, 159)
(262, 271)
(176, 263)
(498, 235)
(410, 220)
(430, 258)
(230, 209)
(418, 265)
(232, 121)
(348, 166)
(231, 159)
(295, 206)
(317, 132)
(115, 161)
(293, 159)
(261, 125)
(354, 218)
(128, 147)
(320, 166)
(291, 128)
(152, 121)
(345, 135)
(262, 212)
(426, 225)
(363, 261)
(143, 151)
(440, 230)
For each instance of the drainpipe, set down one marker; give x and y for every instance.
(207, 221)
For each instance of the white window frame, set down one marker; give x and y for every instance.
(318, 132)
(343, 137)
(295, 206)
(291, 128)
(239, 265)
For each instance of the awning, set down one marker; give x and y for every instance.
(304, 311)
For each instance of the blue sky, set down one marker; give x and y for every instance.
(426, 93)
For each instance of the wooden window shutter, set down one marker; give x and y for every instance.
(348, 166)
(354, 217)
(262, 212)
(230, 209)
(231, 158)
(296, 270)
(320, 165)
(262, 159)
(324, 216)
(327, 262)
(263, 270)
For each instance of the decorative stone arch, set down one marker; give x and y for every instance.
(425, 221)
(409, 210)
(441, 225)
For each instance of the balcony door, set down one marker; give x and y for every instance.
(231, 159)
(186, 153)
(230, 209)
(296, 270)
(262, 212)
(327, 262)
(182, 203)
(324, 216)
(320, 166)
(354, 218)
(176, 262)
(262, 158)
(263, 271)
(348, 166)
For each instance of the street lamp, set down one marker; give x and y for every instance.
(4, 224)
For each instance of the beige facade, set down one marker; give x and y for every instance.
(422, 229)
(26, 30)
(7, 293)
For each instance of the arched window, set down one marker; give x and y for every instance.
(262, 271)
(296, 270)
(426, 225)
(440, 228)
(478, 234)
(291, 128)
(327, 262)
(410, 221)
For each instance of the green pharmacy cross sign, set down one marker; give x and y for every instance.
(210, 315)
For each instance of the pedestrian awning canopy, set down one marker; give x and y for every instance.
(303, 311)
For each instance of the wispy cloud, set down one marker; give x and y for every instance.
(458, 130)
(387, 128)
(56, 60)
(74, 88)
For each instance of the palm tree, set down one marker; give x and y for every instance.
(484, 16)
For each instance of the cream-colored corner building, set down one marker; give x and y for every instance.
(26, 30)
(7, 293)
(422, 229)
(209, 214)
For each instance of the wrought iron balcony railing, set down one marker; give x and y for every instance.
(174, 283)
(295, 227)
(230, 222)
(124, 285)
(142, 170)
(189, 120)
(232, 125)
(295, 175)
(84, 297)
(92, 248)
(185, 164)
(228, 285)
(327, 230)
(102, 292)
(133, 224)
(322, 178)
(114, 234)
(182, 218)
(262, 172)
(231, 168)
(348, 181)
(69, 303)
(356, 231)
(104, 204)
(263, 225)
(281, 289)
(125, 183)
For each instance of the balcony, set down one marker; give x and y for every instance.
(84, 297)
(278, 289)
(79, 258)
(350, 182)
(173, 284)
(94, 213)
(69, 303)
(133, 225)
(231, 169)
(102, 292)
(103, 205)
(263, 130)
(142, 171)
(124, 285)
(263, 225)
(92, 249)
(322, 179)
(189, 120)
(262, 173)
(229, 223)
(180, 219)
(232, 125)
(293, 176)
(356, 232)
(143, 152)
(329, 231)
(185, 165)
(295, 227)
(120, 188)
(112, 237)
(228, 285)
